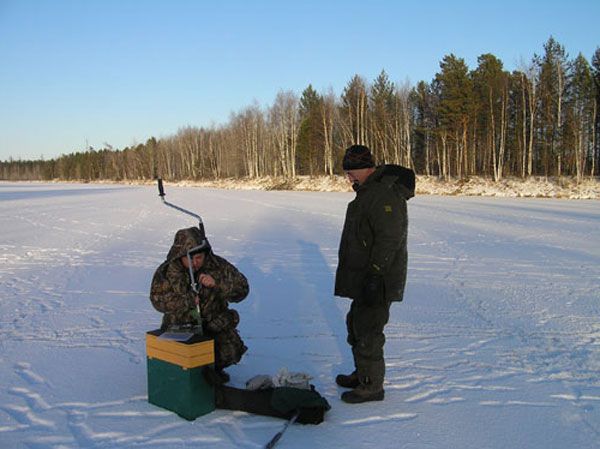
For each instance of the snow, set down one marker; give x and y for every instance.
(496, 345)
(533, 187)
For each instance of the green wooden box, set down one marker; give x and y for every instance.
(176, 379)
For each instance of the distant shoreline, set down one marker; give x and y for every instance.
(536, 187)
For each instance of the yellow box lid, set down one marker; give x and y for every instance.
(197, 351)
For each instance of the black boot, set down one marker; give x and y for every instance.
(222, 376)
(365, 392)
(347, 380)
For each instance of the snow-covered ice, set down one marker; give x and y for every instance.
(497, 344)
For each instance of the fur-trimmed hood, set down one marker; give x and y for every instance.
(400, 177)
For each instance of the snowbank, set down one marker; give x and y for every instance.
(537, 187)
(534, 187)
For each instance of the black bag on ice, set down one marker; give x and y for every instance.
(279, 402)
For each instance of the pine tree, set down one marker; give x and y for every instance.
(553, 81)
(455, 108)
(490, 83)
(310, 145)
(381, 109)
(424, 127)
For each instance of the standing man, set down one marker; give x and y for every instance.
(372, 265)
(219, 282)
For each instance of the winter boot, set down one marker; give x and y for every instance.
(347, 380)
(222, 376)
(365, 392)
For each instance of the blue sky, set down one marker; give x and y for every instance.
(90, 72)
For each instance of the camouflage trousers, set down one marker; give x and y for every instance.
(229, 347)
(365, 323)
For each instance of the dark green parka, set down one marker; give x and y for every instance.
(375, 234)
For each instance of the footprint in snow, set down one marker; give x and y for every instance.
(23, 369)
(34, 400)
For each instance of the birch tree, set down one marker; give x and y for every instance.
(596, 116)
(354, 112)
(328, 117)
(284, 125)
(581, 114)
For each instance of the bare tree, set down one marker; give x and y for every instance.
(354, 112)
(284, 124)
(402, 126)
(328, 111)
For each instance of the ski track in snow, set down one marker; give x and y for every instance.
(499, 328)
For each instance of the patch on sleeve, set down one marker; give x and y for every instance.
(387, 208)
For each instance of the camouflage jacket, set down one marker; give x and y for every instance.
(171, 292)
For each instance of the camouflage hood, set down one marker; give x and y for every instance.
(186, 239)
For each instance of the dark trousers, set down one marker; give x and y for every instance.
(365, 323)
(229, 347)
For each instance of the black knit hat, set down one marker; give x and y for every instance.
(357, 157)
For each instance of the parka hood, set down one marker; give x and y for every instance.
(186, 239)
(401, 177)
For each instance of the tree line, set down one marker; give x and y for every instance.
(539, 120)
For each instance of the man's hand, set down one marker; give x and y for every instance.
(207, 280)
(374, 289)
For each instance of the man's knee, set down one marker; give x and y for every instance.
(229, 348)
(370, 347)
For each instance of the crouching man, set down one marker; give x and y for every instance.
(218, 283)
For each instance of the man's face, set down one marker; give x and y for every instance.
(359, 176)
(197, 261)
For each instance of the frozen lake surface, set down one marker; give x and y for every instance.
(496, 345)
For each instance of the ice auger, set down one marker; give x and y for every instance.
(203, 245)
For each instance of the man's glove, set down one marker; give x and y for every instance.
(228, 319)
(374, 289)
(234, 316)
